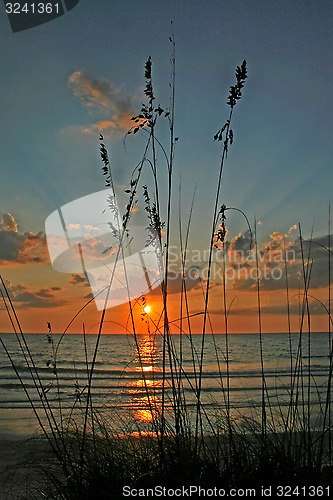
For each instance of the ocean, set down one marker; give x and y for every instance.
(128, 376)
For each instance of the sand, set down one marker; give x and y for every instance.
(22, 467)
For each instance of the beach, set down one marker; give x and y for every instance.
(23, 465)
(126, 394)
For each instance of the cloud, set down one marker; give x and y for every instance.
(8, 223)
(102, 94)
(241, 242)
(24, 297)
(277, 255)
(20, 247)
(280, 254)
(78, 279)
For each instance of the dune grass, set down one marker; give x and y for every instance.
(279, 445)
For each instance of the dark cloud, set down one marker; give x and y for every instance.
(241, 242)
(20, 247)
(78, 279)
(45, 293)
(24, 297)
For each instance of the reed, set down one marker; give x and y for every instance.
(277, 445)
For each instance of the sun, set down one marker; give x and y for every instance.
(147, 309)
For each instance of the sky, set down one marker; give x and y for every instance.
(66, 81)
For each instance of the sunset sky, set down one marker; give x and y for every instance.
(65, 82)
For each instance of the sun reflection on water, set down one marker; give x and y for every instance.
(145, 391)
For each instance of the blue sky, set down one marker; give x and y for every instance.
(280, 166)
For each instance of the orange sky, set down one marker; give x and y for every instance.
(242, 318)
(28, 270)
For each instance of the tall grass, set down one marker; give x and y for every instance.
(276, 445)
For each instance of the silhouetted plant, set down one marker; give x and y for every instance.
(180, 447)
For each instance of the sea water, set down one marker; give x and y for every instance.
(134, 376)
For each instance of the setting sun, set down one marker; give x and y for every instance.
(147, 309)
